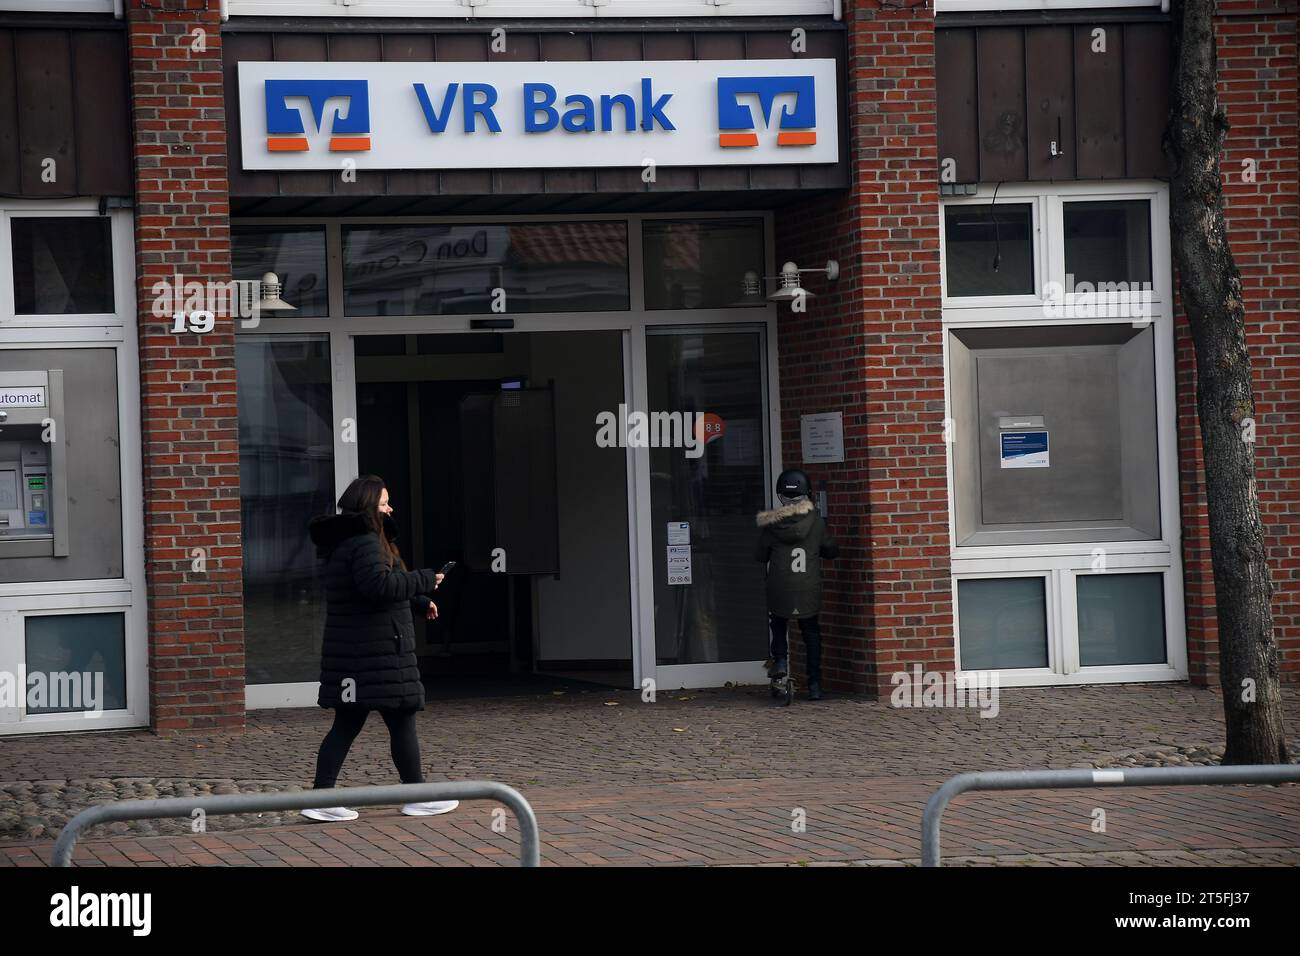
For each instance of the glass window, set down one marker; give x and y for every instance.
(296, 256)
(701, 263)
(286, 477)
(1108, 241)
(63, 265)
(719, 613)
(457, 269)
(1003, 623)
(1121, 619)
(75, 662)
(989, 249)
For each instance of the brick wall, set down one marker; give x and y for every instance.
(1257, 85)
(190, 433)
(871, 346)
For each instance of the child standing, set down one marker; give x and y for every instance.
(793, 540)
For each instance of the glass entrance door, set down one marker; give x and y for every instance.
(710, 619)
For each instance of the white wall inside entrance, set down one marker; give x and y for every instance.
(583, 614)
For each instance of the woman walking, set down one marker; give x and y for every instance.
(368, 656)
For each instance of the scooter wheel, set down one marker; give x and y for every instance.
(789, 692)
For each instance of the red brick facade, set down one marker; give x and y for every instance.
(190, 432)
(871, 345)
(1257, 86)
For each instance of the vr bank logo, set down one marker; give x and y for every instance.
(347, 100)
(797, 126)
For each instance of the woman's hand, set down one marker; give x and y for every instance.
(432, 612)
(437, 581)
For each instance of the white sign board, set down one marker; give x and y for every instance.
(537, 115)
(679, 532)
(679, 564)
(823, 437)
(22, 396)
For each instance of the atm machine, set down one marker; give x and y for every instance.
(33, 496)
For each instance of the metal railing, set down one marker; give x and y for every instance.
(529, 841)
(1067, 779)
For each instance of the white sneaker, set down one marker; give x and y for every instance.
(430, 808)
(330, 814)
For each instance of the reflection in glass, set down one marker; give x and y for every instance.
(296, 256)
(1003, 623)
(455, 269)
(1108, 241)
(63, 265)
(1121, 619)
(700, 263)
(721, 615)
(78, 660)
(989, 249)
(286, 472)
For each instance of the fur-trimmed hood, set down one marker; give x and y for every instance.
(329, 531)
(792, 511)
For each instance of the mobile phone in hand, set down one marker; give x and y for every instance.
(446, 568)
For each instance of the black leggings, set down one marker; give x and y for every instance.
(403, 743)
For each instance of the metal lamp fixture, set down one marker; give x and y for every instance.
(789, 288)
(269, 295)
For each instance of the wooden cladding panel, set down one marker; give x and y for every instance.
(1005, 94)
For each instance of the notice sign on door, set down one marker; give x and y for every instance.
(679, 564)
(1024, 449)
(22, 396)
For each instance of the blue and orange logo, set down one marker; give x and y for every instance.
(797, 125)
(349, 125)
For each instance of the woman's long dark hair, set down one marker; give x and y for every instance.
(362, 498)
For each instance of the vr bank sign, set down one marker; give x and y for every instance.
(533, 115)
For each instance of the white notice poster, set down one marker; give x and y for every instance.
(823, 437)
(679, 532)
(679, 564)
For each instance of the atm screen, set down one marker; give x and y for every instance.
(9, 500)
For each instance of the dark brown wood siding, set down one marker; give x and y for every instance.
(63, 97)
(605, 43)
(1007, 93)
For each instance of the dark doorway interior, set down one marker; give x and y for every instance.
(494, 630)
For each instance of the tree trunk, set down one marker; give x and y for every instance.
(1212, 297)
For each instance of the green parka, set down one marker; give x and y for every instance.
(794, 580)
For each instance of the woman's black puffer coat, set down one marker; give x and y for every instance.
(369, 633)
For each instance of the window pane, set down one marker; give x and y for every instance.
(1003, 623)
(1121, 619)
(1108, 241)
(701, 263)
(286, 477)
(720, 614)
(989, 249)
(296, 256)
(75, 662)
(454, 269)
(63, 265)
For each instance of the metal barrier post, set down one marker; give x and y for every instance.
(529, 841)
(1065, 779)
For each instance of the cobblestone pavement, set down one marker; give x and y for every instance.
(698, 777)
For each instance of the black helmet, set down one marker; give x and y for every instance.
(793, 483)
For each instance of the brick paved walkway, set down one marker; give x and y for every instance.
(718, 777)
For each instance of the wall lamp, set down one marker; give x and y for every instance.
(269, 295)
(789, 288)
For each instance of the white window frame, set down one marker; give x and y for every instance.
(63, 6)
(1062, 563)
(126, 594)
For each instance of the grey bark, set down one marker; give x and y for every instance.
(1212, 298)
